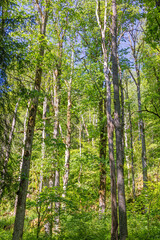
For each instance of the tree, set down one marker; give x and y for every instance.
(118, 129)
(22, 193)
(110, 127)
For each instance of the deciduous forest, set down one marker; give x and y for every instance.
(79, 119)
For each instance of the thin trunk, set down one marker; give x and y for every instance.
(56, 154)
(68, 138)
(122, 111)
(142, 132)
(86, 129)
(126, 146)
(23, 187)
(131, 142)
(118, 130)
(80, 151)
(102, 155)
(141, 123)
(43, 142)
(132, 157)
(24, 140)
(7, 153)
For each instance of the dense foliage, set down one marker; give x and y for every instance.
(59, 73)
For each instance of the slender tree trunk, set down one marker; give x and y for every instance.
(7, 153)
(131, 143)
(141, 126)
(141, 123)
(142, 132)
(56, 154)
(102, 155)
(80, 151)
(132, 157)
(118, 129)
(24, 140)
(68, 138)
(22, 193)
(43, 142)
(122, 111)
(126, 146)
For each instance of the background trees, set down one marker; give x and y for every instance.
(60, 63)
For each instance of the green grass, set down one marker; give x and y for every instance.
(87, 226)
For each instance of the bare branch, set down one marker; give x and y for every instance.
(132, 76)
(98, 14)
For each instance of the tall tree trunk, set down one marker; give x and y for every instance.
(118, 129)
(131, 142)
(110, 127)
(24, 140)
(68, 138)
(22, 193)
(57, 75)
(102, 155)
(132, 157)
(122, 110)
(126, 127)
(7, 153)
(43, 142)
(141, 123)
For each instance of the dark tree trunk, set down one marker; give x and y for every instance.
(22, 192)
(118, 130)
(102, 155)
(110, 129)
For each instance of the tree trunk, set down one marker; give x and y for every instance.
(56, 154)
(110, 127)
(23, 187)
(43, 142)
(7, 153)
(118, 130)
(131, 143)
(102, 155)
(141, 123)
(24, 140)
(68, 138)
(141, 126)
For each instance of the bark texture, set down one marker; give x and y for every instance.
(118, 129)
(110, 126)
(22, 192)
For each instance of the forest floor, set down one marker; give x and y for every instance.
(85, 225)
